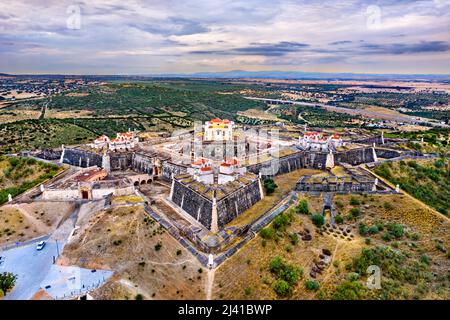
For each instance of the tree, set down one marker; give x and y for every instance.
(354, 201)
(312, 285)
(7, 281)
(338, 219)
(302, 207)
(276, 265)
(270, 186)
(354, 212)
(281, 287)
(267, 233)
(317, 219)
(139, 297)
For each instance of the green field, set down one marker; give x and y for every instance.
(37, 134)
(17, 175)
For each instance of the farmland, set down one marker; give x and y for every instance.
(21, 174)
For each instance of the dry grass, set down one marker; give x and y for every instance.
(127, 199)
(286, 183)
(121, 240)
(19, 114)
(58, 114)
(30, 220)
(248, 268)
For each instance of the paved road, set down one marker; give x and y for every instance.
(371, 114)
(31, 267)
(69, 281)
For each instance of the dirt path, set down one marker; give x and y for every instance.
(330, 270)
(130, 285)
(210, 283)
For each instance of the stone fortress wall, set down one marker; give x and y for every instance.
(169, 169)
(229, 207)
(196, 205)
(233, 205)
(81, 158)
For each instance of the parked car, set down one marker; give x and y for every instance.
(40, 245)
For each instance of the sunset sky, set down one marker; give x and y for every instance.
(151, 37)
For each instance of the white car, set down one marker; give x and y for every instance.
(40, 245)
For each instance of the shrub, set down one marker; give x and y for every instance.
(302, 207)
(267, 233)
(425, 259)
(354, 201)
(368, 241)
(380, 226)
(349, 290)
(338, 219)
(270, 186)
(293, 237)
(281, 287)
(318, 220)
(353, 276)
(139, 297)
(373, 230)
(281, 221)
(396, 230)
(339, 204)
(362, 229)
(264, 243)
(178, 252)
(247, 291)
(312, 285)
(285, 271)
(354, 212)
(386, 236)
(158, 246)
(388, 206)
(7, 281)
(276, 265)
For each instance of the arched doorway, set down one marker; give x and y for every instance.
(84, 194)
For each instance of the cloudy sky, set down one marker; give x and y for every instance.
(148, 37)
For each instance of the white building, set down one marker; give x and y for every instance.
(202, 171)
(229, 170)
(218, 130)
(123, 141)
(336, 141)
(314, 141)
(100, 142)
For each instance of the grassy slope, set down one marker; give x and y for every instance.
(21, 174)
(428, 181)
(406, 277)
